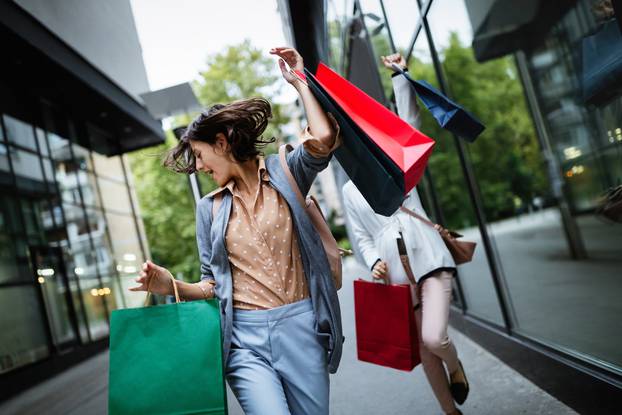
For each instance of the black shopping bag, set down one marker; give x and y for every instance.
(369, 169)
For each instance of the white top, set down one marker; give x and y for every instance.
(375, 235)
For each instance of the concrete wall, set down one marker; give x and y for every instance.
(102, 31)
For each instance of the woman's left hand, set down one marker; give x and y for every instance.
(293, 59)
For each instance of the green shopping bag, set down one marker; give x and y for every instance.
(167, 359)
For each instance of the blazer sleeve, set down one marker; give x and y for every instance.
(204, 241)
(311, 157)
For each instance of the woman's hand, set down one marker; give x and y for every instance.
(379, 272)
(293, 59)
(154, 278)
(396, 58)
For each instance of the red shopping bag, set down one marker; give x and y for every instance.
(408, 148)
(386, 332)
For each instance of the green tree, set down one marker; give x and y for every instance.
(239, 71)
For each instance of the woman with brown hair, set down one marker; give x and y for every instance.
(260, 254)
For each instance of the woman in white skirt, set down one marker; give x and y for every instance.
(430, 261)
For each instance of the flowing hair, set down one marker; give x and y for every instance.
(242, 123)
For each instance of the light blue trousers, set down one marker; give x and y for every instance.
(277, 365)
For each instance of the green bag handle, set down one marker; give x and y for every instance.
(177, 300)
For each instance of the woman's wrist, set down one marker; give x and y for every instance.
(300, 87)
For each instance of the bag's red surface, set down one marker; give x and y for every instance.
(407, 147)
(386, 332)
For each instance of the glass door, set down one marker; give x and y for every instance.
(51, 277)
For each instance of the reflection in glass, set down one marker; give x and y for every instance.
(403, 16)
(27, 168)
(127, 255)
(8, 256)
(115, 196)
(22, 327)
(93, 295)
(586, 142)
(52, 285)
(43, 147)
(109, 167)
(19, 132)
(453, 197)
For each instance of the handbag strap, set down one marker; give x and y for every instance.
(177, 300)
(283, 150)
(401, 248)
(418, 216)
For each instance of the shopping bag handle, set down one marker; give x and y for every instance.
(177, 300)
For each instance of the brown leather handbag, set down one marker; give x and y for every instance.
(461, 251)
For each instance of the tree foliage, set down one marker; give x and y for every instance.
(239, 71)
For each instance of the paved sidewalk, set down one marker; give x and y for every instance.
(358, 388)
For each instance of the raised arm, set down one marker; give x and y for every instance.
(320, 138)
(319, 125)
(405, 96)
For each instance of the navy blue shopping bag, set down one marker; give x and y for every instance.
(602, 64)
(449, 115)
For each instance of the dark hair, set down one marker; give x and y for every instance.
(242, 122)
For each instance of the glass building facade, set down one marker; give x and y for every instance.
(547, 268)
(70, 236)
(71, 233)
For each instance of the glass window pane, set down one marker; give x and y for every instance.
(88, 186)
(452, 191)
(19, 132)
(93, 294)
(48, 171)
(26, 166)
(586, 144)
(127, 253)
(76, 295)
(81, 157)
(13, 248)
(59, 147)
(110, 294)
(449, 22)
(22, 327)
(115, 196)
(109, 167)
(5, 178)
(379, 36)
(403, 16)
(537, 209)
(103, 248)
(43, 147)
(52, 284)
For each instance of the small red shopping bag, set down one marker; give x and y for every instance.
(386, 332)
(408, 148)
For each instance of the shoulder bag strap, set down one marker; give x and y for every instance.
(283, 150)
(418, 216)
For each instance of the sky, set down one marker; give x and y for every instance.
(177, 35)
